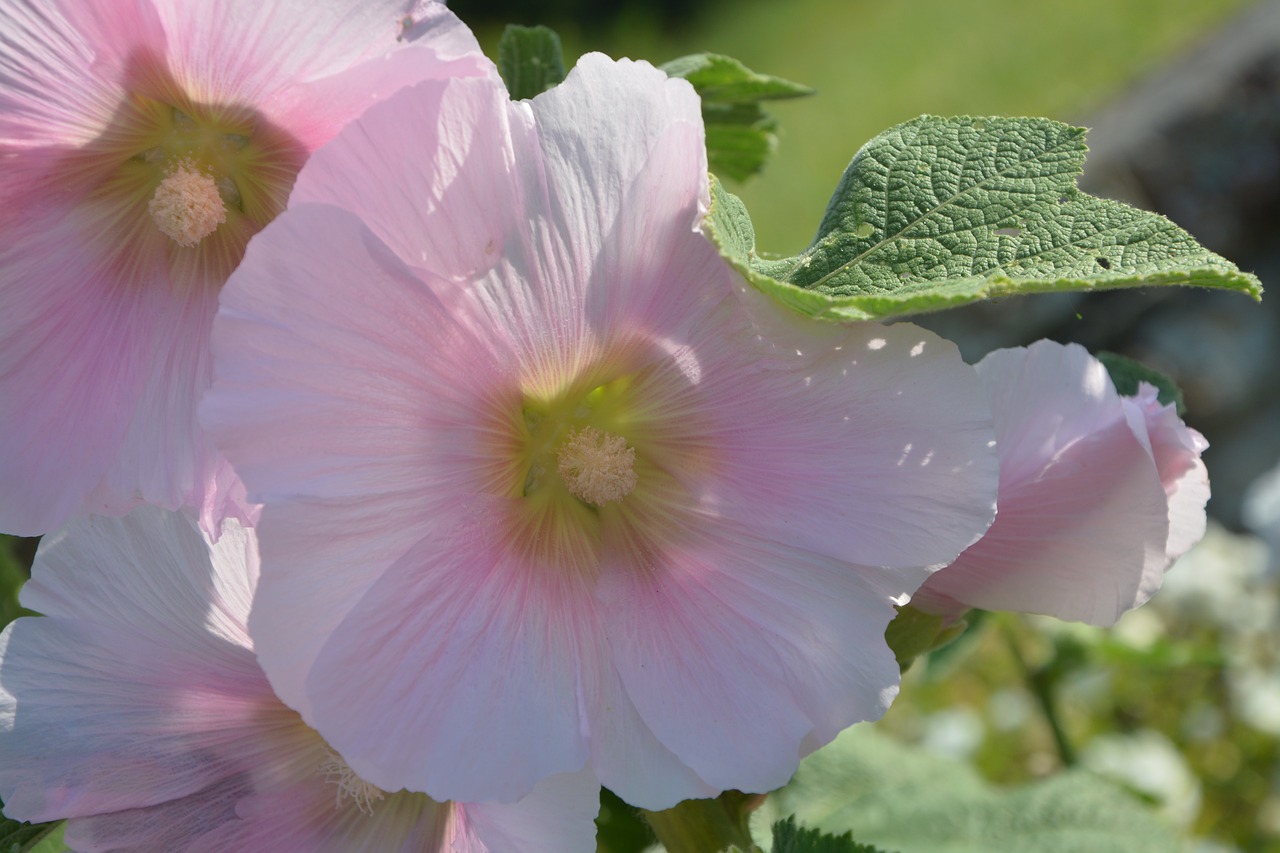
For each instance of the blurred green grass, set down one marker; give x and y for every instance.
(877, 63)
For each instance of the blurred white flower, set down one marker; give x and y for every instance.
(1149, 763)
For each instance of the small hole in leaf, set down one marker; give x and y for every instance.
(904, 275)
(979, 125)
(866, 229)
(1062, 199)
(1104, 263)
(1009, 232)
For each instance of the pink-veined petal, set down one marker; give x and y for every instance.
(640, 768)
(121, 571)
(558, 816)
(329, 103)
(467, 659)
(1175, 449)
(743, 655)
(72, 369)
(164, 458)
(135, 709)
(57, 71)
(1187, 520)
(450, 212)
(366, 389)
(138, 684)
(94, 723)
(300, 813)
(278, 45)
(172, 824)
(593, 150)
(1073, 541)
(867, 443)
(1083, 519)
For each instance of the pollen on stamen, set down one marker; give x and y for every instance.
(597, 467)
(350, 786)
(187, 206)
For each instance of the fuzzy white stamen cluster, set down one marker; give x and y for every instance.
(186, 206)
(597, 467)
(350, 786)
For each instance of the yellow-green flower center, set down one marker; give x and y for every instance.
(247, 164)
(576, 444)
(172, 180)
(604, 455)
(575, 458)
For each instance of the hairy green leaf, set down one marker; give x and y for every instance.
(12, 576)
(530, 60)
(789, 838)
(619, 826)
(905, 799)
(940, 212)
(740, 133)
(18, 837)
(53, 842)
(725, 80)
(1126, 374)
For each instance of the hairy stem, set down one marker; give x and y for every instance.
(1042, 680)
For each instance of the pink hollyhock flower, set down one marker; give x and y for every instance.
(1099, 493)
(546, 484)
(135, 708)
(142, 143)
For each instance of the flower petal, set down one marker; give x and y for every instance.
(1176, 450)
(440, 644)
(866, 443)
(598, 131)
(1083, 522)
(330, 103)
(449, 212)
(742, 655)
(640, 768)
(70, 374)
(137, 684)
(1187, 520)
(151, 572)
(368, 362)
(179, 823)
(164, 458)
(302, 815)
(457, 673)
(558, 816)
(57, 71)
(105, 351)
(282, 44)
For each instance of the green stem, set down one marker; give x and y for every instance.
(1040, 680)
(704, 826)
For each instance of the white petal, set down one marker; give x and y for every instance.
(558, 816)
